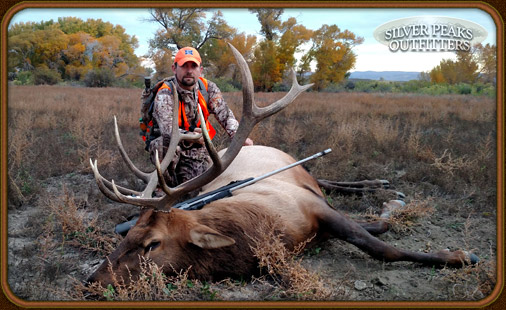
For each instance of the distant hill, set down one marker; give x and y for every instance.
(386, 75)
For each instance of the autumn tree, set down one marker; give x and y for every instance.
(293, 36)
(265, 70)
(332, 50)
(222, 64)
(479, 63)
(275, 55)
(188, 27)
(487, 60)
(71, 48)
(270, 21)
(162, 60)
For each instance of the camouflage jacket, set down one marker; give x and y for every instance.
(162, 111)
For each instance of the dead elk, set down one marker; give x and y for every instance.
(215, 240)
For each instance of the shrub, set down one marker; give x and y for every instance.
(101, 77)
(225, 85)
(464, 89)
(24, 78)
(44, 75)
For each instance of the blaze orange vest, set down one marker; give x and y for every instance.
(183, 120)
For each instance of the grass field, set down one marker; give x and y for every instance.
(438, 150)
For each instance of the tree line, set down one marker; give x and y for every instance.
(98, 53)
(70, 49)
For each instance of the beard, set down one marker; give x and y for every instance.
(187, 81)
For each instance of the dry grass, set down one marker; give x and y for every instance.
(284, 266)
(151, 285)
(74, 227)
(440, 151)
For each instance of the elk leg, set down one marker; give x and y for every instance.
(350, 231)
(359, 187)
(381, 226)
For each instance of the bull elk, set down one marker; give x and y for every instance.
(215, 240)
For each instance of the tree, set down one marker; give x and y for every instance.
(187, 27)
(265, 70)
(487, 60)
(276, 54)
(71, 48)
(269, 21)
(292, 38)
(462, 70)
(221, 55)
(332, 51)
(162, 61)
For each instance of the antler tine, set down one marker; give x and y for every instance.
(207, 140)
(295, 90)
(252, 114)
(140, 174)
(106, 186)
(135, 200)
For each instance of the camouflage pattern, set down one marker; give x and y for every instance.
(191, 159)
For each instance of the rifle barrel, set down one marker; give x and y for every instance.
(319, 154)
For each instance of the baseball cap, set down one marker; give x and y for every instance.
(187, 54)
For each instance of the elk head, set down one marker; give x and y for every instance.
(170, 237)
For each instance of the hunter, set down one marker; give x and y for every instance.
(191, 159)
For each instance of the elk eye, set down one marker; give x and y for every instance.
(153, 245)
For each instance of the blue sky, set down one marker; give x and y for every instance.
(371, 55)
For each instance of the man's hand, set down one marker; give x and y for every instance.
(201, 140)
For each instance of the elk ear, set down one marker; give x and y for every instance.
(208, 238)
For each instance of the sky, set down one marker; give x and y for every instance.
(371, 54)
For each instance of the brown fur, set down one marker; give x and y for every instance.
(216, 240)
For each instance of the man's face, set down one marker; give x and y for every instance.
(187, 74)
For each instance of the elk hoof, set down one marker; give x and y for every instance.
(400, 195)
(392, 205)
(472, 258)
(385, 184)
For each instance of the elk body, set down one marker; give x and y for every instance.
(216, 240)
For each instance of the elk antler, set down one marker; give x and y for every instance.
(252, 114)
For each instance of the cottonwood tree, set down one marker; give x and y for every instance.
(221, 55)
(275, 55)
(477, 64)
(188, 27)
(332, 50)
(487, 60)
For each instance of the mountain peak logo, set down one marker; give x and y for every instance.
(430, 34)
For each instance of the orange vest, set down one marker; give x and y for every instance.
(183, 120)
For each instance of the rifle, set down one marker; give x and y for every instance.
(199, 202)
